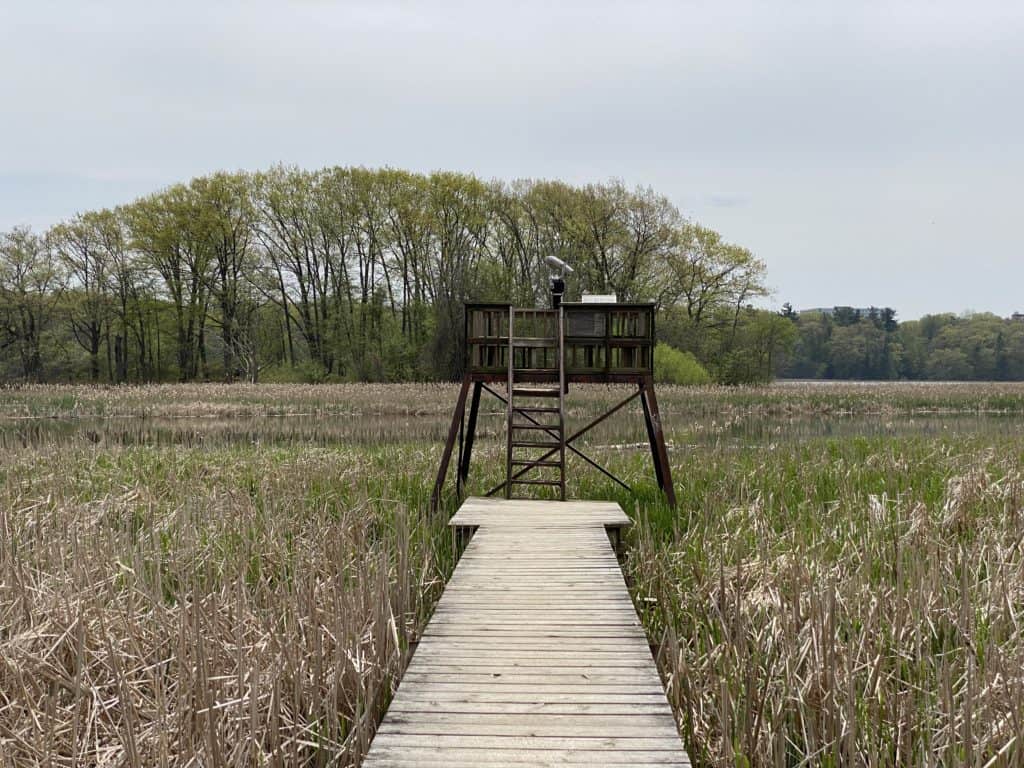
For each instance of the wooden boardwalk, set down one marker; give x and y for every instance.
(535, 655)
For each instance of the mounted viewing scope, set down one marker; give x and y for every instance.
(557, 280)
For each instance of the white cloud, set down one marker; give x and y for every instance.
(869, 152)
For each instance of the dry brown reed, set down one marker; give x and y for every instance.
(172, 608)
(425, 399)
(876, 624)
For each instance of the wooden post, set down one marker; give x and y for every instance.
(453, 432)
(658, 450)
(651, 439)
(458, 454)
(510, 413)
(561, 402)
(474, 409)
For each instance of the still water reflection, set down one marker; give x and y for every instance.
(623, 430)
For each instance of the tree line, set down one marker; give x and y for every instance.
(356, 274)
(847, 343)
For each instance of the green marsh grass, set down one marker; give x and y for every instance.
(842, 603)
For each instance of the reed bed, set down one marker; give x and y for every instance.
(217, 415)
(207, 575)
(181, 607)
(855, 604)
(426, 399)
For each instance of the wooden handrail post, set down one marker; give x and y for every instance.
(453, 432)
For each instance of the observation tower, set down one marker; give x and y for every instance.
(529, 359)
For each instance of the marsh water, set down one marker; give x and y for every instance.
(625, 430)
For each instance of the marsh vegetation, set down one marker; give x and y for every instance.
(205, 575)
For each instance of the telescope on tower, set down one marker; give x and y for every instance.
(558, 270)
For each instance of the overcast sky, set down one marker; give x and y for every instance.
(870, 153)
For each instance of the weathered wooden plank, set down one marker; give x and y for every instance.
(543, 726)
(531, 641)
(534, 655)
(605, 743)
(526, 693)
(550, 632)
(441, 707)
(403, 757)
(509, 664)
(610, 663)
(547, 719)
(507, 695)
(492, 642)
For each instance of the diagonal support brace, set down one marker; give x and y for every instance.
(569, 440)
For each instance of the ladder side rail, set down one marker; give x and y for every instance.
(510, 410)
(561, 400)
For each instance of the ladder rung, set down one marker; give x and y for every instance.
(537, 482)
(552, 427)
(534, 409)
(534, 392)
(534, 444)
(528, 463)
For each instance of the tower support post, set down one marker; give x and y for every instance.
(656, 437)
(467, 451)
(651, 439)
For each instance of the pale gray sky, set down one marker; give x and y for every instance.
(869, 152)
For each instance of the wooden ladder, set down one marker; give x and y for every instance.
(529, 426)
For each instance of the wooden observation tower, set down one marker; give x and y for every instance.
(528, 359)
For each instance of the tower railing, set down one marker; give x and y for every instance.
(602, 342)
